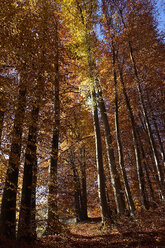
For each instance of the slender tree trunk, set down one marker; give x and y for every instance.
(80, 188)
(1, 124)
(33, 203)
(119, 196)
(2, 108)
(160, 141)
(83, 183)
(153, 169)
(155, 155)
(106, 215)
(149, 131)
(136, 148)
(146, 169)
(52, 198)
(157, 132)
(8, 208)
(119, 144)
(115, 180)
(78, 196)
(99, 161)
(25, 230)
(53, 222)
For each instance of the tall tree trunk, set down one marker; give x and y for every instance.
(136, 148)
(33, 200)
(80, 187)
(52, 198)
(149, 131)
(1, 124)
(153, 168)
(146, 169)
(106, 215)
(119, 196)
(119, 144)
(77, 205)
(157, 132)
(78, 193)
(53, 222)
(84, 184)
(115, 180)
(8, 208)
(25, 230)
(2, 106)
(160, 141)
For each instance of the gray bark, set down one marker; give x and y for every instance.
(135, 143)
(157, 132)
(145, 115)
(115, 180)
(146, 170)
(106, 215)
(119, 144)
(99, 162)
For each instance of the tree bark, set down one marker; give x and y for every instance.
(25, 225)
(145, 115)
(84, 184)
(119, 196)
(1, 124)
(33, 200)
(160, 141)
(2, 106)
(53, 225)
(135, 143)
(77, 188)
(8, 209)
(146, 169)
(157, 132)
(115, 180)
(106, 215)
(119, 144)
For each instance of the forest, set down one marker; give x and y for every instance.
(82, 160)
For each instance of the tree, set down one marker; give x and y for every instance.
(88, 59)
(52, 200)
(27, 210)
(8, 209)
(145, 115)
(77, 82)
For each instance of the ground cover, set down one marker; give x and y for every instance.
(147, 230)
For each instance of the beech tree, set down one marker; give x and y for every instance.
(139, 87)
(81, 90)
(8, 209)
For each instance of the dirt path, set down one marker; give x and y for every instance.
(147, 230)
(124, 234)
(88, 235)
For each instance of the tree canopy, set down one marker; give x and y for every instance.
(81, 114)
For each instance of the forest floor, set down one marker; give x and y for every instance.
(147, 230)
